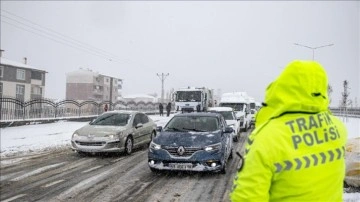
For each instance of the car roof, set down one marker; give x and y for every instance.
(122, 112)
(197, 114)
(220, 109)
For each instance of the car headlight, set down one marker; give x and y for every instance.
(213, 147)
(155, 146)
(75, 135)
(232, 126)
(112, 137)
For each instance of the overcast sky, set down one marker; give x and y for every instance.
(227, 46)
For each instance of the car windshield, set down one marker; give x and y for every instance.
(192, 123)
(112, 119)
(235, 106)
(188, 96)
(228, 115)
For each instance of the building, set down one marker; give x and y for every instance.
(21, 81)
(84, 84)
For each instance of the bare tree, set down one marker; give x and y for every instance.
(330, 90)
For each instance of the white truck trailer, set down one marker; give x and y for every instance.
(192, 99)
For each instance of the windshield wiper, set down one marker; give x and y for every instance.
(195, 129)
(174, 129)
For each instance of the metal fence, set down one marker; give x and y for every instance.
(15, 109)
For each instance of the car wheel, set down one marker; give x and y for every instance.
(82, 154)
(154, 170)
(153, 135)
(128, 145)
(231, 154)
(235, 139)
(223, 169)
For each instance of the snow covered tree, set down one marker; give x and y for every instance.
(345, 95)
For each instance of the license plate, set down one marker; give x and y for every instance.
(181, 165)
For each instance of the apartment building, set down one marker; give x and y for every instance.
(20, 80)
(85, 84)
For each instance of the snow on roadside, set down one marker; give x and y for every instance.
(43, 137)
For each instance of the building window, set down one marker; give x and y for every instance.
(37, 90)
(20, 92)
(1, 71)
(20, 74)
(36, 75)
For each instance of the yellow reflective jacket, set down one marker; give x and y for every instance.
(296, 152)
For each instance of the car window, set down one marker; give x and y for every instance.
(227, 115)
(137, 119)
(112, 119)
(191, 123)
(144, 118)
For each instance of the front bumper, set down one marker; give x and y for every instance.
(199, 161)
(96, 146)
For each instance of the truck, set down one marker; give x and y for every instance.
(193, 99)
(240, 102)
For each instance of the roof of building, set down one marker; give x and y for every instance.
(6, 61)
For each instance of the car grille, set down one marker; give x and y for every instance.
(90, 143)
(188, 151)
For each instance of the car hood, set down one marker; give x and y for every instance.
(99, 131)
(188, 139)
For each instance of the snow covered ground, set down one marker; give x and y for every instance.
(42, 137)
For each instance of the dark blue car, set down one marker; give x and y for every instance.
(192, 142)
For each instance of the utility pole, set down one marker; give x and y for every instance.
(313, 48)
(162, 77)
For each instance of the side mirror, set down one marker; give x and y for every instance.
(91, 121)
(139, 125)
(159, 128)
(229, 130)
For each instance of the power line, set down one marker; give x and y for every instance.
(51, 38)
(63, 39)
(57, 33)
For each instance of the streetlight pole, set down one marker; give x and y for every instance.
(313, 48)
(162, 77)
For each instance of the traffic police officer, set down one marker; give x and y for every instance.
(296, 152)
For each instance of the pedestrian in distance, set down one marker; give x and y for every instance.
(105, 108)
(161, 109)
(296, 151)
(168, 108)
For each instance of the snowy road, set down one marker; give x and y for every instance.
(37, 165)
(66, 176)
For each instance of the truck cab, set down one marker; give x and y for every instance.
(192, 99)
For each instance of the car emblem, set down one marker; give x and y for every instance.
(181, 150)
(90, 136)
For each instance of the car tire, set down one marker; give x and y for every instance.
(129, 145)
(231, 154)
(154, 170)
(223, 169)
(236, 138)
(81, 154)
(153, 134)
